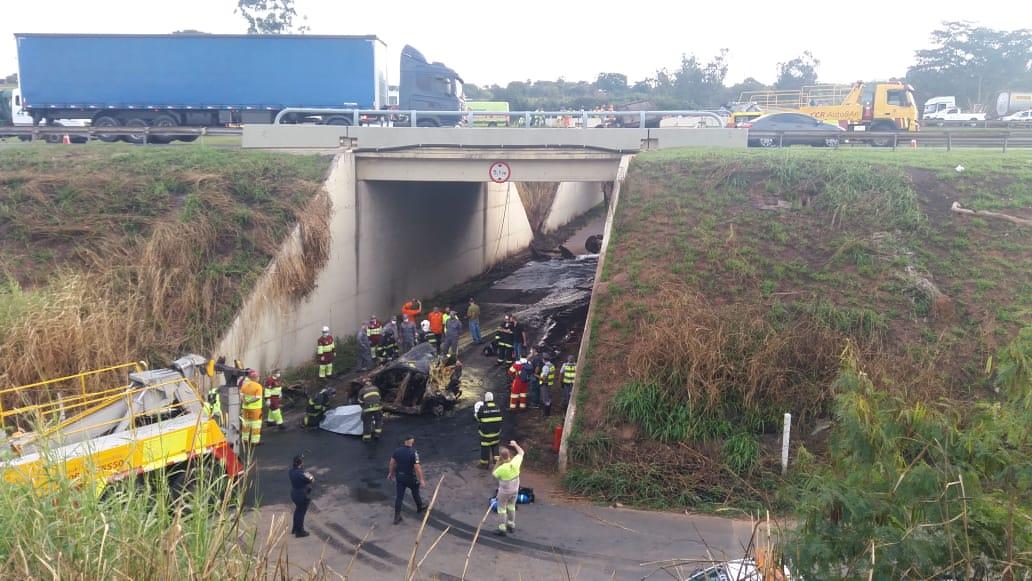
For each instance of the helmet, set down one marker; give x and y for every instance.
(425, 326)
(489, 396)
(252, 373)
(325, 329)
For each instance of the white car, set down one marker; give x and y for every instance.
(1020, 117)
(735, 570)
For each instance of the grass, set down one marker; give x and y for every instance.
(719, 313)
(153, 249)
(144, 528)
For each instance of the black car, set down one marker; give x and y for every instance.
(791, 125)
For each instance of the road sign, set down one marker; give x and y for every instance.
(499, 172)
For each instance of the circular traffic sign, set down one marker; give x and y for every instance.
(499, 172)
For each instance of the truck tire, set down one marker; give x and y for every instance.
(427, 123)
(106, 121)
(164, 120)
(337, 120)
(136, 138)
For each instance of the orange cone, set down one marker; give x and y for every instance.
(66, 140)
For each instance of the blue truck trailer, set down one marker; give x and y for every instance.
(212, 80)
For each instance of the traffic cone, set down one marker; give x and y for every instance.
(66, 140)
(913, 143)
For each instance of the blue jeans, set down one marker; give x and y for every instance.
(474, 330)
(535, 391)
(517, 348)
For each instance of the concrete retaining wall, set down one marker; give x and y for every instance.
(390, 241)
(572, 200)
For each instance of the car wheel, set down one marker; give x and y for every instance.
(136, 138)
(163, 121)
(831, 142)
(768, 141)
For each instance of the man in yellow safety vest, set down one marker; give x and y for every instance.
(251, 409)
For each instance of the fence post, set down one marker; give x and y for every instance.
(584, 119)
(526, 119)
(641, 120)
(412, 119)
(949, 141)
(895, 139)
(1005, 135)
(781, 139)
(784, 443)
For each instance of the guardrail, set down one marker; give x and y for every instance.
(523, 118)
(143, 134)
(997, 139)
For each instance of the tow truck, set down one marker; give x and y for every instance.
(101, 426)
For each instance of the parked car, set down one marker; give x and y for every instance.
(793, 125)
(734, 570)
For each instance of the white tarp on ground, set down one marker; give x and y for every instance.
(345, 419)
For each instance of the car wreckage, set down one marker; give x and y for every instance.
(419, 381)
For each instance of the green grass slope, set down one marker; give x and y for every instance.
(738, 283)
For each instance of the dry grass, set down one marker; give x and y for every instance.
(537, 198)
(145, 262)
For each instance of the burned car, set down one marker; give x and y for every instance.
(418, 382)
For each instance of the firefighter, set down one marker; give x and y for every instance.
(504, 340)
(213, 403)
(251, 409)
(489, 427)
(372, 412)
(325, 350)
(316, 409)
(520, 372)
(374, 328)
(274, 399)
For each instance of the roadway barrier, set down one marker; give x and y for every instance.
(948, 139)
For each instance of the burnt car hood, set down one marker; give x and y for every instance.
(416, 359)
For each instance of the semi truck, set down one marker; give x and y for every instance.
(1011, 102)
(208, 80)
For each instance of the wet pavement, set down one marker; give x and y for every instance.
(556, 538)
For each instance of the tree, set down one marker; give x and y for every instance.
(698, 85)
(11, 79)
(611, 82)
(972, 63)
(270, 16)
(749, 84)
(798, 72)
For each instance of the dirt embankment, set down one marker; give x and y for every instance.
(734, 282)
(117, 254)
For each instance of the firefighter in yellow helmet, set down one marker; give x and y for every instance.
(251, 409)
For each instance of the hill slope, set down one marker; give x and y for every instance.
(115, 254)
(735, 282)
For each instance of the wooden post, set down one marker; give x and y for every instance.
(949, 141)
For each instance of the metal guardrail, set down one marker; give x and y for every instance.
(525, 118)
(996, 139)
(142, 133)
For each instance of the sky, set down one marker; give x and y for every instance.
(492, 42)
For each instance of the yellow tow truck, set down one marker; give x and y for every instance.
(862, 106)
(100, 426)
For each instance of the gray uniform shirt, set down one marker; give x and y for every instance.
(453, 326)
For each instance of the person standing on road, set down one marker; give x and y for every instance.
(489, 427)
(519, 334)
(520, 373)
(568, 374)
(365, 348)
(508, 475)
(374, 328)
(503, 342)
(534, 385)
(545, 382)
(405, 471)
(372, 413)
(412, 309)
(251, 409)
(473, 320)
(300, 495)
(273, 399)
(452, 331)
(408, 334)
(325, 350)
(436, 319)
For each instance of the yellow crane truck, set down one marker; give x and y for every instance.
(104, 425)
(862, 106)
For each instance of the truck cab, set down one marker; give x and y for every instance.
(935, 105)
(426, 86)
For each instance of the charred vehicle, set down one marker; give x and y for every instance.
(418, 382)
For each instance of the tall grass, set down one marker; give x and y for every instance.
(155, 252)
(198, 527)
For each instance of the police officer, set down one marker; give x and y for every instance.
(405, 471)
(372, 413)
(300, 494)
(489, 427)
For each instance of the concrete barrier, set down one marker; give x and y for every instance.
(571, 200)
(623, 140)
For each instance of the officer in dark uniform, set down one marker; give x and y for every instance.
(372, 412)
(300, 494)
(406, 472)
